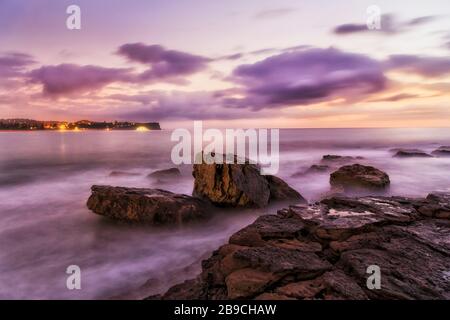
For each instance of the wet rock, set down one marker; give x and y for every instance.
(281, 191)
(247, 283)
(123, 174)
(323, 250)
(337, 159)
(165, 174)
(154, 206)
(315, 168)
(443, 151)
(436, 206)
(411, 153)
(239, 185)
(358, 177)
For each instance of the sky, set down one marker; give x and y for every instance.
(233, 63)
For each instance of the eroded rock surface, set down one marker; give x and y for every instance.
(358, 177)
(154, 206)
(323, 250)
(240, 185)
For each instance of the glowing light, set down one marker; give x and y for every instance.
(62, 127)
(142, 129)
(76, 129)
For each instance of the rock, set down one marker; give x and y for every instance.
(323, 250)
(318, 168)
(272, 296)
(304, 265)
(281, 191)
(247, 283)
(239, 185)
(123, 174)
(357, 177)
(165, 174)
(267, 227)
(332, 158)
(437, 205)
(443, 151)
(411, 153)
(315, 168)
(154, 206)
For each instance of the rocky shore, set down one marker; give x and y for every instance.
(322, 250)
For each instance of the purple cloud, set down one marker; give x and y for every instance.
(71, 78)
(422, 65)
(307, 76)
(164, 64)
(13, 63)
(389, 25)
(350, 28)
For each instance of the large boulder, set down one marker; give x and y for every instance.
(358, 177)
(240, 185)
(323, 250)
(154, 206)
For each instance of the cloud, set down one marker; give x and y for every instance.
(273, 13)
(13, 63)
(306, 77)
(197, 105)
(165, 65)
(71, 78)
(396, 97)
(422, 65)
(389, 25)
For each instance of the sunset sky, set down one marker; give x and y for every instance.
(233, 63)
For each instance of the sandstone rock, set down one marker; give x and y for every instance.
(239, 185)
(247, 283)
(411, 153)
(443, 151)
(152, 206)
(165, 174)
(322, 251)
(281, 191)
(357, 177)
(267, 227)
(305, 265)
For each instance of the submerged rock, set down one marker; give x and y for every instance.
(411, 153)
(357, 177)
(322, 251)
(239, 185)
(165, 174)
(315, 168)
(443, 151)
(123, 174)
(154, 206)
(337, 159)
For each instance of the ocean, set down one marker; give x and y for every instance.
(45, 180)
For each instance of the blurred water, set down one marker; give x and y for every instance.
(45, 180)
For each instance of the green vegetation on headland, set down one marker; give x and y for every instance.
(28, 124)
